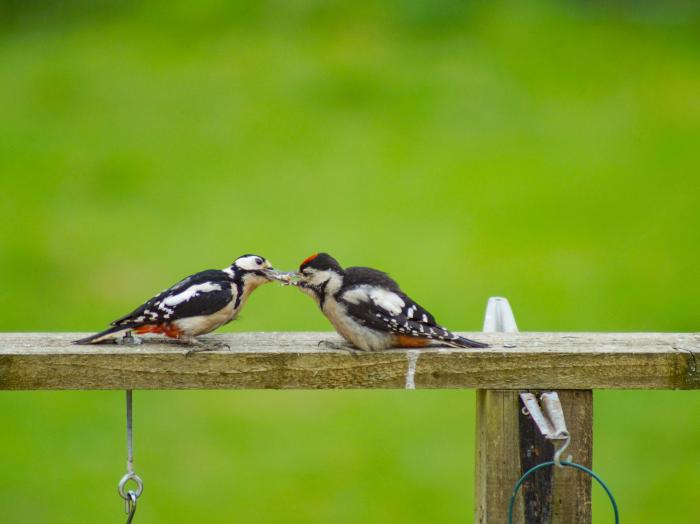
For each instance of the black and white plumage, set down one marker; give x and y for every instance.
(196, 305)
(368, 308)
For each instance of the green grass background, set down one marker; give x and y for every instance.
(544, 151)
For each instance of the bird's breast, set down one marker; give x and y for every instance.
(351, 330)
(202, 324)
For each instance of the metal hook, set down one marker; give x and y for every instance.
(558, 453)
(131, 506)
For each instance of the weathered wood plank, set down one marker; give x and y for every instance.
(497, 459)
(571, 497)
(497, 433)
(293, 360)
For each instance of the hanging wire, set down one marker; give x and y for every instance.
(530, 471)
(131, 496)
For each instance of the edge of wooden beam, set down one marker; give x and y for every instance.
(31, 361)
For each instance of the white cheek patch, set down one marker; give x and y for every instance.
(191, 292)
(333, 282)
(248, 263)
(318, 277)
(387, 300)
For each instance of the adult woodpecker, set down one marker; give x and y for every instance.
(368, 308)
(194, 306)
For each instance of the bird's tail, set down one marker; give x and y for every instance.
(461, 342)
(103, 336)
(455, 340)
(417, 329)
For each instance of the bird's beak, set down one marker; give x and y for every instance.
(280, 276)
(296, 279)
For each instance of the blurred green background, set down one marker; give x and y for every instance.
(544, 151)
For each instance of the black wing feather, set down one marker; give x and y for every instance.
(204, 303)
(153, 311)
(382, 320)
(359, 276)
(365, 276)
(413, 320)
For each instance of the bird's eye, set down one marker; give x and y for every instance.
(258, 261)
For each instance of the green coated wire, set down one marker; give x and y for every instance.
(563, 463)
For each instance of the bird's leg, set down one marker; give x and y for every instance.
(129, 339)
(330, 344)
(197, 346)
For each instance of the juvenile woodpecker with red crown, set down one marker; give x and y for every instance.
(368, 308)
(194, 306)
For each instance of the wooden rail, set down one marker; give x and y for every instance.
(507, 442)
(32, 361)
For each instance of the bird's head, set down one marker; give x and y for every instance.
(319, 275)
(253, 270)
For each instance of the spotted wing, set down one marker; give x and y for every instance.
(388, 310)
(200, 294)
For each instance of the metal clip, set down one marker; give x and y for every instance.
(550, 421)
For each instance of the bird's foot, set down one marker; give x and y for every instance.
(129, 339)
(330, 344)
(198, 346)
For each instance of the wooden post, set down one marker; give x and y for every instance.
(497, 434)
(508, 443)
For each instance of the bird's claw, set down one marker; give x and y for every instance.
(129, 339)
(329, 344)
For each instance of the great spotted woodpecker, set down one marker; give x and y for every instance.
(368, 309)
(194, 306)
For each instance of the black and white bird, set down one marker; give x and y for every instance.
(368, 308)
(194, 306)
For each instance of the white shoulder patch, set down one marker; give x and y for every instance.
(356, 295)
(387, 300)
(191, 292)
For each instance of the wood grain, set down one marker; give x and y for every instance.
(571, 488)
(30, 361)
(558, 495)
(536, 491)
(497, 456)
